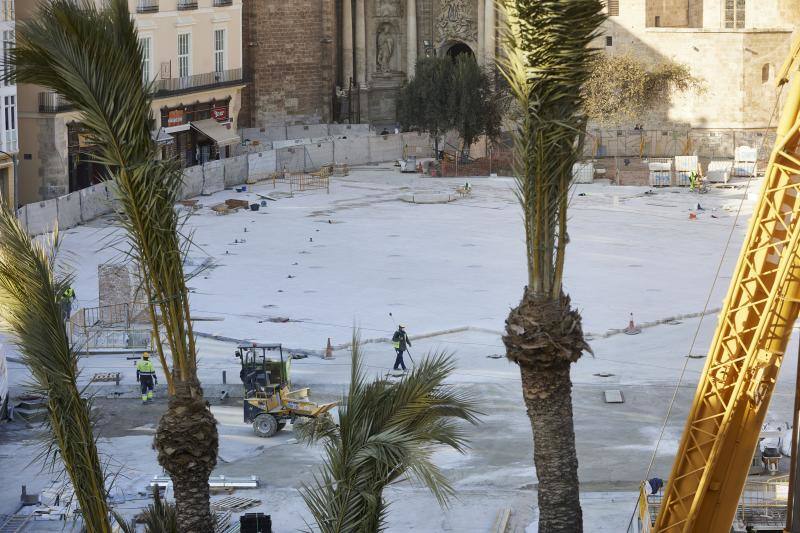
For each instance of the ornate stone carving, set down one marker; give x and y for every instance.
(455, 22)
(385, 46)
(387, 8)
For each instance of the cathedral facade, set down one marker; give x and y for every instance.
(345, 60)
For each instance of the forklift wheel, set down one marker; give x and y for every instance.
(265, 425)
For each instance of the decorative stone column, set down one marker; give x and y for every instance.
(411, 15)
(347, 41)
(481, 52)
(361, 43)
(489, 26)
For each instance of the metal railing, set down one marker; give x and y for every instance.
(50, 102)
(110, 315)
(223, 3)
(112, 339)
(198, 81)
(185, 5)
(147, 6)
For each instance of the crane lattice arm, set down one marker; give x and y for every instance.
(721, 434)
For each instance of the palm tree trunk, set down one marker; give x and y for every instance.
(548, 399)
(187, 442)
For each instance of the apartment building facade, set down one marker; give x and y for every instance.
(192, 56)
(8, 110)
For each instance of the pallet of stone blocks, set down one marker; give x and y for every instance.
(341, 170)
(684, 166)
(660, 172)
(744, 161)
(719, 171)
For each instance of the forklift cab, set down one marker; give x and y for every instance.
(261, 372)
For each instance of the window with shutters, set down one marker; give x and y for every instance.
(734, 13)
(147, 62)
(613, 8)
(184, 55)
(219, 50)
(8, 45)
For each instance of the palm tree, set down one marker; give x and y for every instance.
(31, 314)
(90, 57)
(547, 60)
(386, 434)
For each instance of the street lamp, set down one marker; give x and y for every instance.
(13, 158)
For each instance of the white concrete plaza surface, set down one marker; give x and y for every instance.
(327, 262)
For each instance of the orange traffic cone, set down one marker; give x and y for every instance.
(632, 328)
(329, 350)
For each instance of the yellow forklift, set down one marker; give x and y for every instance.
(269, 401)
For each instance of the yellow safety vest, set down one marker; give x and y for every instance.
(145, 368)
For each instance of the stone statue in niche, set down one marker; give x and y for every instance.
(387, 8)
(455, 21)
(385, 47)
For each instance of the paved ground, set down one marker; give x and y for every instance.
(359, 253)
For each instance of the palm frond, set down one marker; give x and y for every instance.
(31, 314)
(387, 434)
(547, 61)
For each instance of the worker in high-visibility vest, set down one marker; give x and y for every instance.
(400, 342)
(65, 299)
(146, 376)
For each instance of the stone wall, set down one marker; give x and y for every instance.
(290, 53)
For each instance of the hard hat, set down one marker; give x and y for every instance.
(146, 355)
(401, 326)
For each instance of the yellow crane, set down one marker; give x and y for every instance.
(762, 304)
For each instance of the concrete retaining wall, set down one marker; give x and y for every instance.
(213, 177)
(306, 131)
(235, 170)
(292, 159)
(260, 166)
(42, 216)
(69, 210)
(95, 201)
(348, 129)
(319, 154)
(351, 150)
(192, 182)
(385, 148)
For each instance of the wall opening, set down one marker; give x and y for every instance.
(458, 48)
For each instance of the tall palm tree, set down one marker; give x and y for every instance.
(546, 63)
(386, 433)
(31, 314)
(90, 57)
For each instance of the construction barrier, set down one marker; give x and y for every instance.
(351, 151)
(69, 210)
(236, 170)
(260, 165)
(213, 177)
(42, 216)
(95, 201)
(384, 148)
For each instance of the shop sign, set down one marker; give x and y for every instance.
(219, 113)
(175, 118)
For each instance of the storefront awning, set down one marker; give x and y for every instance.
(161, 137)
(216, 131)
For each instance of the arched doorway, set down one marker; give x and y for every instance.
(458, 48)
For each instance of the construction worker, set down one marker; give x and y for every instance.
(66, 298)
(400, 342)
(146, 376)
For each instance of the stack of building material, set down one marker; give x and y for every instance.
(660, 172)
(719, 171)
(684, 166)
(744, 163)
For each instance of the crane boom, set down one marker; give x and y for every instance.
(762, 304)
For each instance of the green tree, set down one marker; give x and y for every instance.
(547, 62)
(423, 101)
(472, 103)
(89, 56)
(30, 312)
(386, 433)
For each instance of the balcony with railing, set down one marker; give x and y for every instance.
(147, 6)
(50, 102)
(208, 80)
(223, 3)
(186, 5)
